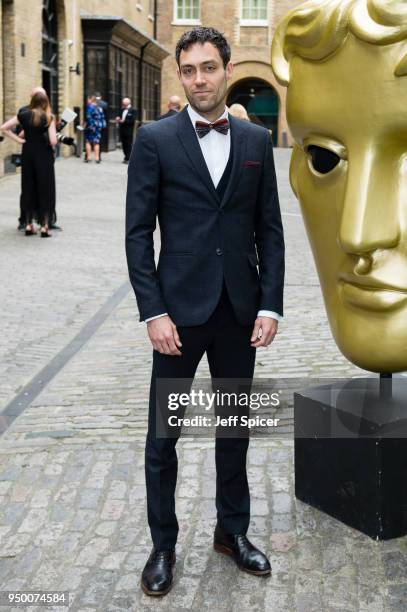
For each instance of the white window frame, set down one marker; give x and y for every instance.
(262, 23)
(177, 21)
(150, 13)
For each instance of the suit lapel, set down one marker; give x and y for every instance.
(189, 141)
(238, 144)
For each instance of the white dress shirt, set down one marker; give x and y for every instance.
(124, 114)
(215, 148)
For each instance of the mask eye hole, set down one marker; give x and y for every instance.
(323, 160)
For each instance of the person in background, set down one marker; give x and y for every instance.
(174, 106)
(53, 215)
(239, 111)
(100, 102)
(126, 123)
(37, 176)
(104, 106)
(95, 123)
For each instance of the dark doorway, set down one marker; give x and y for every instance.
(115, 67)
(261, 102)
(50, 52)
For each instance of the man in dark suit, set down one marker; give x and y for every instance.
(126, 123)
(174, 107)
(210, 180)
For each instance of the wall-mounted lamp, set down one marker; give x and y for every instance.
(76, 69)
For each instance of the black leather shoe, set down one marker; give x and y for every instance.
(248, 558)
(156, 578)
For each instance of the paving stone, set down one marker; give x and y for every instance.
(90, 552)
(395, 566)
(113, 560)
(34, 520)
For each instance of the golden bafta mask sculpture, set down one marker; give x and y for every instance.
(345, 65)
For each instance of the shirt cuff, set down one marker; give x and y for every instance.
(156, 317)
(271, 314)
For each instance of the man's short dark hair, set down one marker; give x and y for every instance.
(203, 35)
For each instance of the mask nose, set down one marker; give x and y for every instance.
(371, 210)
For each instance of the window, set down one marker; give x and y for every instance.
(151, 92)
(186, 11)
(151, 7)
(254, 12)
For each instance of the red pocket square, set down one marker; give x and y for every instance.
(249, 163)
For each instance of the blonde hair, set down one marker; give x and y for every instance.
(40, 107)
(318, 28)
(239, 111)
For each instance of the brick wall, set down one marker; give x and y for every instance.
(21, 51)
(8, 74)
(21, 48)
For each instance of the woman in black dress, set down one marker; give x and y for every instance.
(37, 171)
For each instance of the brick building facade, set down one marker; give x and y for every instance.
(75, 47)
(248, 25)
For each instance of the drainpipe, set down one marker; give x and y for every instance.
(155, 19)
(140, 82)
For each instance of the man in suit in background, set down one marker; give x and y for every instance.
(174, 106)
(210, 180)
(126, 123)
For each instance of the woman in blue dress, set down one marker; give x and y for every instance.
(95, 123)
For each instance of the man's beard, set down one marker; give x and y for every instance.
(207, 106)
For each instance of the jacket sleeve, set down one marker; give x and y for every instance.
(269, 237)
(143, 189)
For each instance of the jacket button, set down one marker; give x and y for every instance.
(218, 251)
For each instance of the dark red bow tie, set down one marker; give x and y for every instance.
(203, 128)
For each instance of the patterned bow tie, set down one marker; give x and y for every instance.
(203, 128)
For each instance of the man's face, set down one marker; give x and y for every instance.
(203, 76)
(355, 205)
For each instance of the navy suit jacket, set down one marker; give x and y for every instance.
(128, 125)
(204, 238)
(169, 113)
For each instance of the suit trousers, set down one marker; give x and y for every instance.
(230, 356)
(126, 137)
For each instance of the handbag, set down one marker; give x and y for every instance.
(16, 159)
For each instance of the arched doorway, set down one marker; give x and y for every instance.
(50, 51)
(260, 100)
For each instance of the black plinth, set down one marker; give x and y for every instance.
(351, 453)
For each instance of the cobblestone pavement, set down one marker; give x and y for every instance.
(72, 513)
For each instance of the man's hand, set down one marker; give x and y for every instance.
(164, 336)
(264, 331)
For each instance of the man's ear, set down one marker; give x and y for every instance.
(229, 70)
(178, 73)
